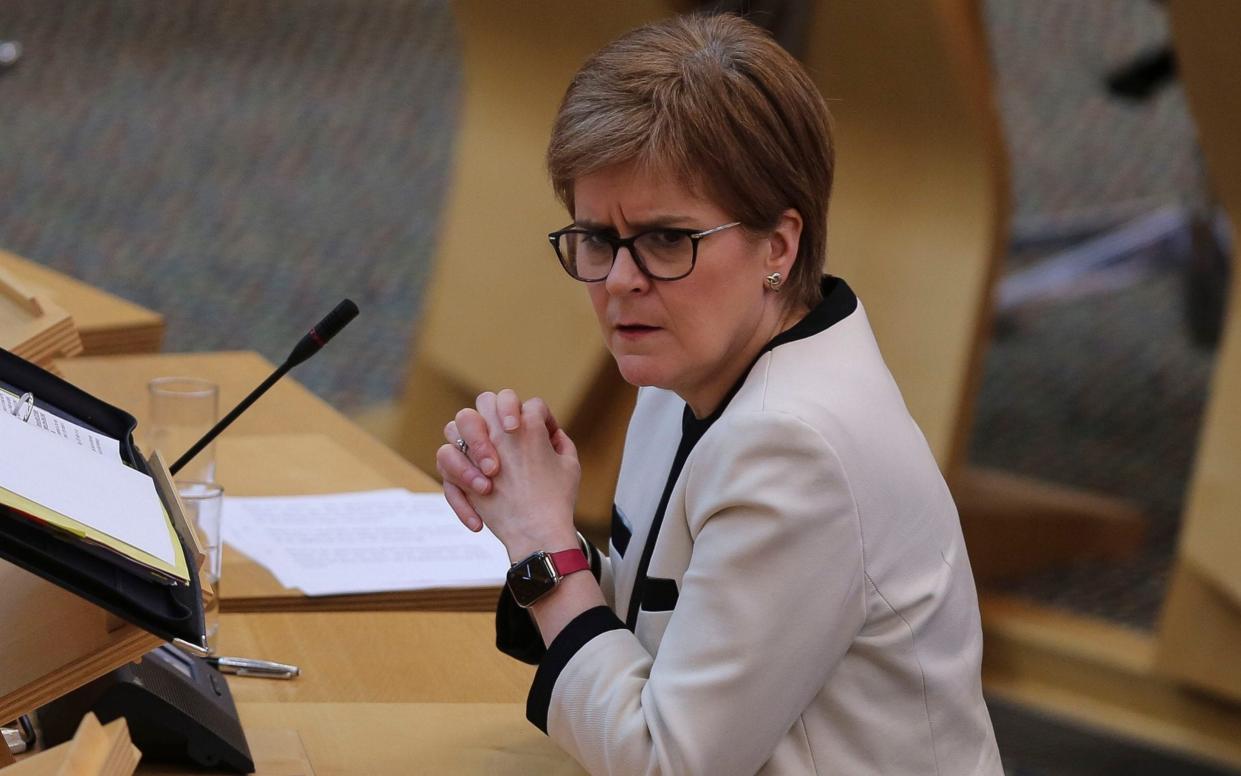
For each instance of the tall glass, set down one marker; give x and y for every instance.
(204, 502)
(182, 410)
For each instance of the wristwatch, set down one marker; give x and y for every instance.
(533, 577)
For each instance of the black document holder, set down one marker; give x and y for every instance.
(172, 612)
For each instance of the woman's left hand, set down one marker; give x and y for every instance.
(530, 505)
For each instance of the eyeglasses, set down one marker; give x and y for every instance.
(661, 254)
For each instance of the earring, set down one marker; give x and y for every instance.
(774, 281)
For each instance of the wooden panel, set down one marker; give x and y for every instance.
(54, 642)
(518, 59)
(107, 323)
(919, 206)
(1200, 633)
(1201, 624)
(1015, 526)
(1102, 675)
(1208, 61)
(500, 312)
(1211, 530)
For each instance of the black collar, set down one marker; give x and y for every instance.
(838, 303)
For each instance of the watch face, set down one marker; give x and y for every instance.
(530, 579)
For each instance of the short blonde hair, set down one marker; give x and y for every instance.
(717, 102)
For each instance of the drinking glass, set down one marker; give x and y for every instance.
(182, 410)
(204, 502)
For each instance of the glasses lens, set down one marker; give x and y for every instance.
(667, 253)
(586, 255)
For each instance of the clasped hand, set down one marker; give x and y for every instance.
(528, 504)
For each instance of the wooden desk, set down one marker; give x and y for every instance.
(384, 693)
(107, 323)
(375, 657)
(290, 739)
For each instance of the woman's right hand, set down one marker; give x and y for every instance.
(465, 473)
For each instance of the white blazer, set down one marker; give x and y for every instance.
(788, 589)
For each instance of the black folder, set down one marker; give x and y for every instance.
(172, 612)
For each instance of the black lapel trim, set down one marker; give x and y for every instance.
(838, 303)
(690, 434)
(620, 532)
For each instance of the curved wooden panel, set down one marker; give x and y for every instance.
(500, 311)
(1209, 60)
(1201, 621)
(919, 209)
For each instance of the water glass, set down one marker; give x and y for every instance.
(182, 410)
(204, 502)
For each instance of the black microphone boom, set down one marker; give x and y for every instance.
(310, 344)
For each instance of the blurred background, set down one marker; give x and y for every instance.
(239, 166)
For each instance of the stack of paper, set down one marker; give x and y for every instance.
(369, 542)
(71, 481)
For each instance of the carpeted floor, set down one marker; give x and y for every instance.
(238, 165)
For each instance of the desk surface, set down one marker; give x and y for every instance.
(333, 739)
(382, 657)
(384, 693)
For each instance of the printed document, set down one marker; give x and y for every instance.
(79, 491)
(69, 431)
(368, 542)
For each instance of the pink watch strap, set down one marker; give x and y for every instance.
(569, 561)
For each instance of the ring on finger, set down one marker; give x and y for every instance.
(462, 446)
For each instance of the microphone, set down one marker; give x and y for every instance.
(314, 340)
(322, 332)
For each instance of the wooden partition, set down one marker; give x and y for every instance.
(919, 227)
(52, 642)
(919, 214)
(1200, 633)
(500, 312)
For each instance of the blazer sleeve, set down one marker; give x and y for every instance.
(771, 600)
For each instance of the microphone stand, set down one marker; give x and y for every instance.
(310, 344)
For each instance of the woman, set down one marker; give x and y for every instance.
(787, 589)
